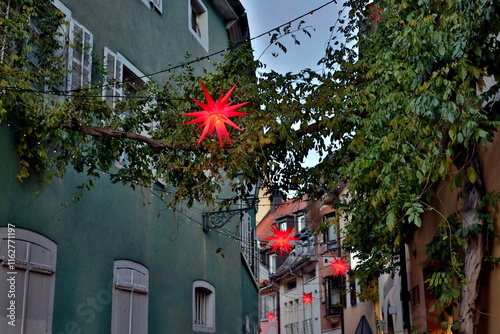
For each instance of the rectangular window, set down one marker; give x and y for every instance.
(333, 295)
(301, 223)
(307, 324)
(79, 56)
(130, 298)
(331, 236)
(122, 77)
(268, 305)
(203, 307)
(249, 244)
(291, 284)
(198, 22)
(272, 263)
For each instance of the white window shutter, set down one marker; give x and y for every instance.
(114, 76)
(130, 298)
(118, 77)
(79, 56)
(34, 267)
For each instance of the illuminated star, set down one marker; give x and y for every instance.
(215, 115)
(282, 239)
(339, 267)
(307, 298)
(270, 316)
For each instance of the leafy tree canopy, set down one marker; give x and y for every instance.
(402, 102)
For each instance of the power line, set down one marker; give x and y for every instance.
(181, 65)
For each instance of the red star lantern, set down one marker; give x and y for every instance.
(339, 266)
(307, 298)
(282, 239)
(271, 316)
(215, 115)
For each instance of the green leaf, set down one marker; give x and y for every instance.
(471, 174)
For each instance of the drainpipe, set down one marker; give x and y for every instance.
(405, 294)
(344, 289)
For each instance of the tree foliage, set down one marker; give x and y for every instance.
(401, 106)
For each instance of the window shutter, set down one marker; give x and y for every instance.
(130, 301)
(114, 76)
(34, 267)
(80, 56)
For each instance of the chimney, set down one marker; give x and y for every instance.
(275, 203)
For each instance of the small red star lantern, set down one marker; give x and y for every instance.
(339, 266)
(282, 239)
(307, 298)
(271, 316)
(215, 115)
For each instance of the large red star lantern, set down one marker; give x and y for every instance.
(271, 316)
(307, 298)
(282, 239)
(339, 266)
(215, 115)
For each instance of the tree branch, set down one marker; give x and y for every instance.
(102, 132)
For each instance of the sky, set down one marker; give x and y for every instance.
(264, 15)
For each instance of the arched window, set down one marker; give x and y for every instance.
(130, 298)
(203, 307)
(27, 281)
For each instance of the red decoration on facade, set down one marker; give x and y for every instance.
(282, 239)
(215, 115)
(307, 298)
(271, 316)
(339, 266)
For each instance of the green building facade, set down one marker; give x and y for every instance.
(119, 260)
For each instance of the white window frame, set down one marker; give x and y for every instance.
(203, 309)
(157, 5)
(138, 288)
(268, 305)
(272, 263)
(301, 223)
(154, 4)
(84, 61)
(113, 92)
(41, 265)
(201, 22)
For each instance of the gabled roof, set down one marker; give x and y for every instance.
(286, 208)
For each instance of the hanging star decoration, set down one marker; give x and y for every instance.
(282, 239)
(339, 266)
(307, 298)
(215, 115)
(271, 316)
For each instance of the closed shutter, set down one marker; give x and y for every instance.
(80, 56)
(130, 301)
(33, 272)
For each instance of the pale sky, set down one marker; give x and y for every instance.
(264, 15)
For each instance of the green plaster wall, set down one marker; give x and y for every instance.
(113, 222)
(151, 41)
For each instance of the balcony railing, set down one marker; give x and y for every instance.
(292, 328)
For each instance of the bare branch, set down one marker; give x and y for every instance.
(103, 132)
